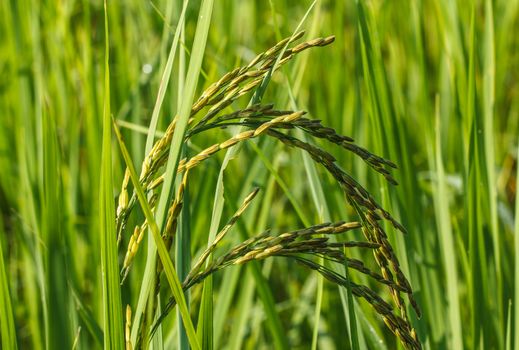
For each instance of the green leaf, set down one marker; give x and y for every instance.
(169, 269)
(112, 307)
(149, 271)
(7, 326)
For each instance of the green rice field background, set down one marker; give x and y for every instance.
(274, 174)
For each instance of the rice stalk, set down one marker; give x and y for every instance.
(265, 121)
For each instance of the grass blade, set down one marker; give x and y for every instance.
(516, 247)
(112, 307)
(164, 81)
(7, 326)
(169, 269)
(183, 257)
(441, 205)
(149, 272)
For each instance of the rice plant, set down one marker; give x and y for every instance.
(258, 120)
(259, 174)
